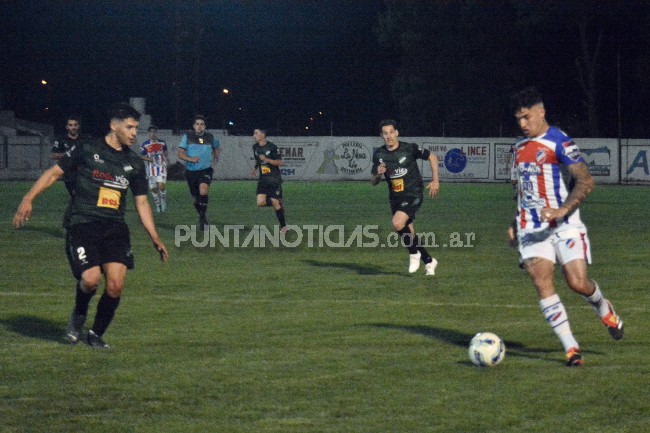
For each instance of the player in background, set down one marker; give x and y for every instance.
(510, 166)
(200, 151)
(396, 161)
(64, 144)
(547, 227)
(154, 153)
(269, 186)
(98, 236)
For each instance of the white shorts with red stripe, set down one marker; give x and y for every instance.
(561, 246)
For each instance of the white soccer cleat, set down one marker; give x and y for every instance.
(430, 268)
(414, 262)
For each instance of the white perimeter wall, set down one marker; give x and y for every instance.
(350, 158)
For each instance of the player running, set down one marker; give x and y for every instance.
(154, 153)
(396, 161)
(99, 240)
(547, 226)
(269, 186)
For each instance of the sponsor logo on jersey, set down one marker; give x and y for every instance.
(530, 169)
(98, 159)
(109, 198)
(128, 168)
(399, 172)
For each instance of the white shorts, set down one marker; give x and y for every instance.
(155, 180)
(561, 246)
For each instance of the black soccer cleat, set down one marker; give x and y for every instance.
(95, 341)
(75, 327)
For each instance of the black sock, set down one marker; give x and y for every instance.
(105, 312)
(426, 258)
(202, 205)
(82, 300)
(280, 214)
(408, 240)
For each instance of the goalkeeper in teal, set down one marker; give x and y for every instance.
(397, 162)
(200, 151)
(269, 186)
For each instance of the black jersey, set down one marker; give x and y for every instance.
(102, 176)
(268, 172)
(402, 172)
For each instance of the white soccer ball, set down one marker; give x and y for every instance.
(486, 349)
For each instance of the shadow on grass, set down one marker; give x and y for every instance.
(35, 327)
(359, 269)
(462, 339)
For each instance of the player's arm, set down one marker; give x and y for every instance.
(146, 217)
(434, 185)
(182, 151)
(47, 179)
(378, 170)
(215, 154)
(583, 187)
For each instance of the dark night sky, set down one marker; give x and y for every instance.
(283, 62)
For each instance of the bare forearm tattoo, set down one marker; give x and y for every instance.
(583, 187)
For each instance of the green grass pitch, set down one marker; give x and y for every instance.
(323, 339)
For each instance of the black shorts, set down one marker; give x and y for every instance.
(408, 205)
(197, 177)
(94, 244)
(270, 189)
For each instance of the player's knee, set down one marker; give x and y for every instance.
(114, 287)
(261, 202)
(161, 187)
(579, 283)
(90, 281)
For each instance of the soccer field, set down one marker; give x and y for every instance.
(311, 338)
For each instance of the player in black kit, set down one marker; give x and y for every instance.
(397, 162)
(269, 186)
(98, 237)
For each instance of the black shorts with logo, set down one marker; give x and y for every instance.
(197, 177)
(408, 205)
(96, 243)
(271, 189)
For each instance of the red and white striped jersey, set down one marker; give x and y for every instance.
(543, 179)
(155, 150)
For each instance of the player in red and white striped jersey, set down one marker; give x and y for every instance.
(154, 153)
(553, 180)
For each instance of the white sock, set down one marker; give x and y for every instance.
(163, 200)
(156, 199)
(598, 302)
(556, 316)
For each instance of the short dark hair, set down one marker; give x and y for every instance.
(262, 130)
(123, 111)
(199, 117)
(525, 98)
(387, 122)
(73, 117)
(152, 128)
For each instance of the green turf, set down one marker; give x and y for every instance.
(323, 339)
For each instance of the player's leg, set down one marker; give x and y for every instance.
(202, 198)
(574, 255)
(261, 200)
(162, 192)
(117, 258)
(278, 206)
(83, 258)
(153, 187)
(541, 271)
(108, 303)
